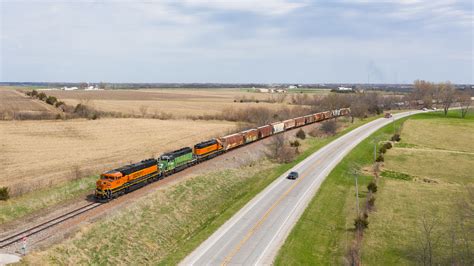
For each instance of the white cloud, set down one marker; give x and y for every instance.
(262, 7)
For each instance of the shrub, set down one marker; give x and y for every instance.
(301, 134)
(387, 145)
(396, 137)
(95, 116)
(372, 187)
(379, 158)
(382, 149)
(59, 103)
(4, 193)
(361, 223)
(51, 100)
(329, 127)
(42, 96)
(34, 93)
(295, 143)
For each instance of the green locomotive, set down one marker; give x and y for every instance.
(175, 161)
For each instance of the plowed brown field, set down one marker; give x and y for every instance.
(13, 103)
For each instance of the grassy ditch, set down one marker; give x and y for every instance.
(324, 231)
(165, 226)
(17, 207)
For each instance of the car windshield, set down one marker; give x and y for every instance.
(293, 173)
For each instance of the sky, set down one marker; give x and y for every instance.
(236, 41)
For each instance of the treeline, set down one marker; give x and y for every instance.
(443, 95)
(51, 100)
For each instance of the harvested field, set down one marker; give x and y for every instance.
(41, 153)
(180, 103)
(14, 104)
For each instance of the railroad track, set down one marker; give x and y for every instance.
(17, 237)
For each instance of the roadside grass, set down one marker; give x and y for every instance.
(165, 226)
(395, 235)
(324, 231)
(17, 207)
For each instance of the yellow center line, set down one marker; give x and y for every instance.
(249, 234)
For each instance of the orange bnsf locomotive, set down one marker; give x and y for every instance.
(124, 179)
(121, 180)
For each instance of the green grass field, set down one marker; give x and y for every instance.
(165, 226)
(325, 230)
(441, 162)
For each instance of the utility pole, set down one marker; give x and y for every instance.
(357, 195)
(375, 151)
(393, 124)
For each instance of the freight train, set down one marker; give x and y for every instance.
(119, 181)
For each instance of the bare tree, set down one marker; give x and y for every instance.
(428, 239)
(424, 91)
(279, 150)
(359, 109)
(447, 95)
(464, 99)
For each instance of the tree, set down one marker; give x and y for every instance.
(464, 99)
(428, 239)
(447, 95)
(424, 91)
(279, 150)
(359, 109)
(329, 127)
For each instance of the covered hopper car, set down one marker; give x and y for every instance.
(231, 141)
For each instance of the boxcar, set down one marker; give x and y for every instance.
(231, 141)
(264, 131)
(278, 127)
(309, 119)
(299, 121)
(250, 135)
(290, 123)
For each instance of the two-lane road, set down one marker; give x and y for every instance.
(255, 233)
